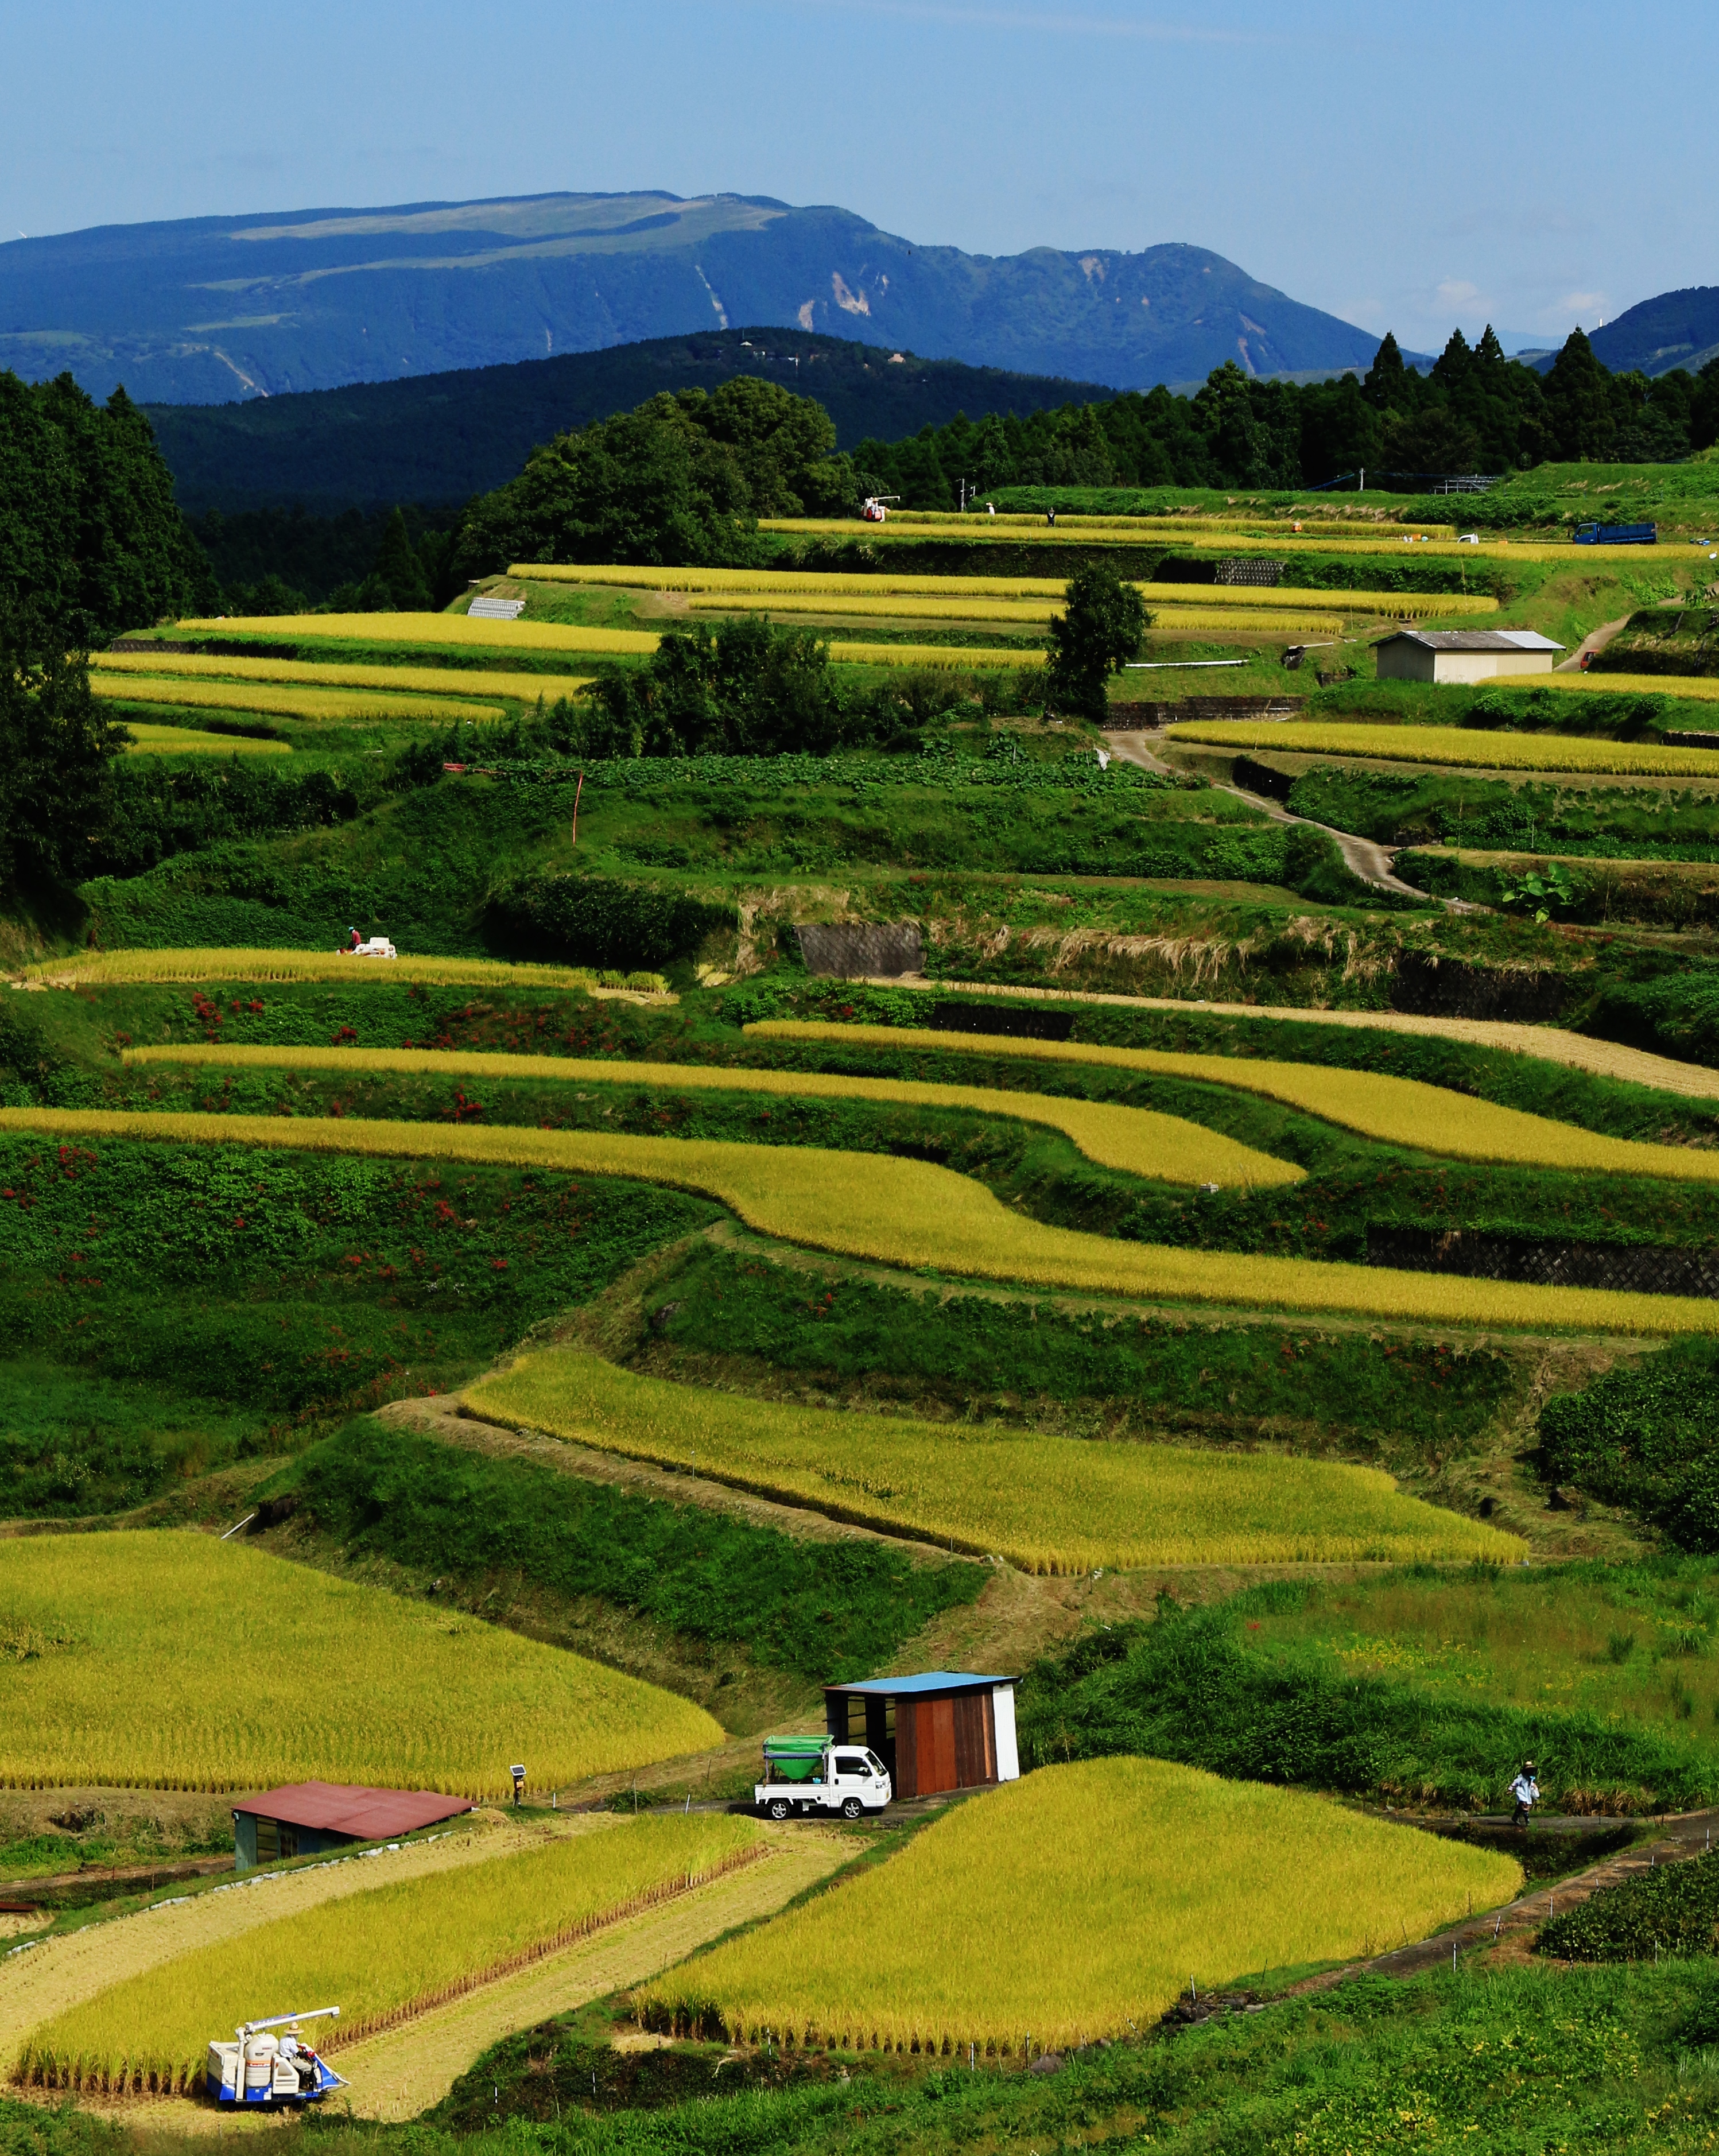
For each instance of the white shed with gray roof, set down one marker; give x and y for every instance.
(1464, 654)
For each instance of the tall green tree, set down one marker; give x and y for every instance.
(741, 688)
(90, 536)
(1101, 627)
(55, 744)
(1579, 405)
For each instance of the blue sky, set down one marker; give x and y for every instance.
(1404, 167)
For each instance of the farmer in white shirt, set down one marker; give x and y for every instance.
(1527, 1791)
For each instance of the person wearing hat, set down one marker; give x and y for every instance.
(1527, 1791)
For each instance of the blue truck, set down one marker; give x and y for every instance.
(1617, 535)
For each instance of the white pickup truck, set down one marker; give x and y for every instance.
(807, 1775)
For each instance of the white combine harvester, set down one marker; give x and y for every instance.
(259, 2068)
(378, 947)
(875, 508)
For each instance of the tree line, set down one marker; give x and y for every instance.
(1474, 411)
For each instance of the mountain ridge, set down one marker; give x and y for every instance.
(196, 310)
(436, 439)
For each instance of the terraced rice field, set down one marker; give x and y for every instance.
(1079, 1903)
(424, 680)
(1698, 688)
(285, 700)
(1165, 1149)
(1394, 540)
(909, 1213)
(382, 1955)
(1047, 1504)
(148, 740)
(957, 658)
(1405, 1111)
(93, 967)
(1023, 612)
(1465, 748)
(805, 583)
(174, 1661)
(454, 629)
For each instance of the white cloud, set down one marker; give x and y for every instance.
(1456, 295)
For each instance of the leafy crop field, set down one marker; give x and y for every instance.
(912, 1212)
(1167, 1148)
(427, 680)
(1465, 748)
(420, 628)
(1404, 1111)
(1049, 1505)
(381, 1956)
(1076, 1904)
(285, 700)
(148, 740)
(178, 1661)
(96, 967)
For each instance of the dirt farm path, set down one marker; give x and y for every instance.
(62, 1972)
(404, 2071)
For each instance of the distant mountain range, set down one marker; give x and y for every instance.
(1678, 329)
(438, 438)
(206, 310)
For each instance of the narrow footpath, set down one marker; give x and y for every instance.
(1364, 857)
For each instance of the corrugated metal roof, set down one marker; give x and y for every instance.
(1476, 639)
(369, 1814)
(927, 1680)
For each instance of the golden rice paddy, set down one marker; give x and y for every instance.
(911, 1213)
(803, 584)
(1047, 1504)
(1167, 1148)
(425, 680)
(1462, 748)
(382, 1955)
(1022, 611)
(89, 968)
(1404, 1111)
(455, 629)
(1079, 1903)
(148, 740)
(176, 1660)
(283, 700)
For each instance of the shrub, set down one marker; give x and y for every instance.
(599, 921)
(1671, 1909)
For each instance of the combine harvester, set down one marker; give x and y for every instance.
(259, 2068)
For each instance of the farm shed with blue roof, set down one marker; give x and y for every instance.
(943, 1729)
